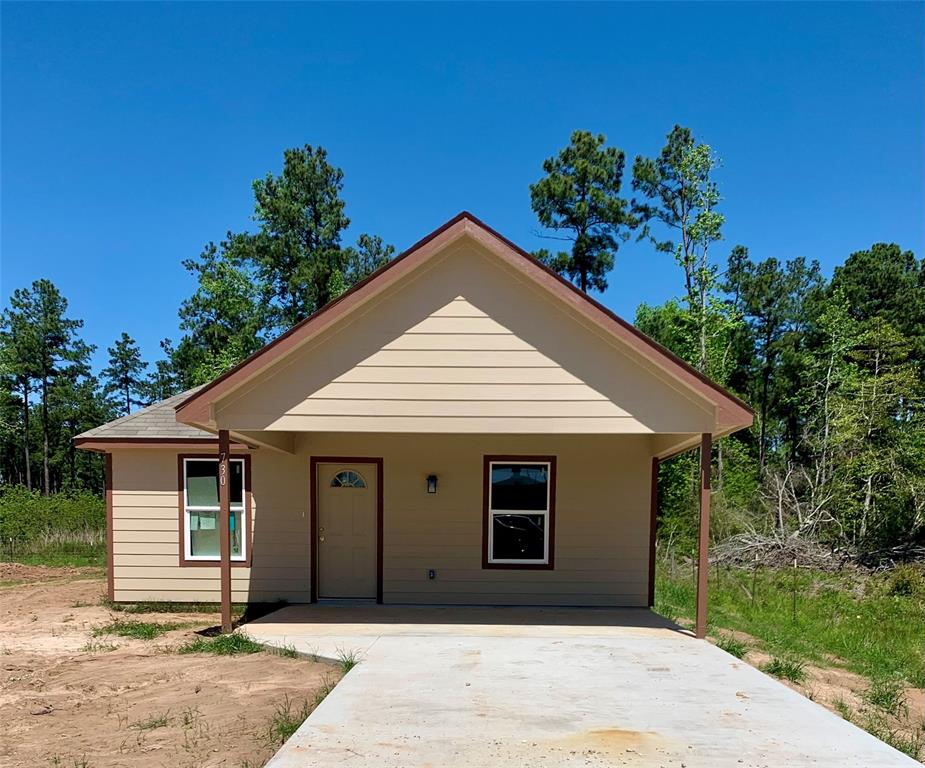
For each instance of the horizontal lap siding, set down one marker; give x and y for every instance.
(466, 348)
(146, 532)
(601, 539)
(602, 514)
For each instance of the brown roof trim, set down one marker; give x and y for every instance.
(104, 444)
(194, 409)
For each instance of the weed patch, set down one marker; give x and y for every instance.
(139, 630)
(155, 721)
(286, 651)
(286, 721)
(347, 660)
(732, 645)
(875, 632)
(95, 646)
(786, 669)
(222, 645)
(888, 694)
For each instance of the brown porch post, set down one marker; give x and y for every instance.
(703, 554)
(224, 526)
(653, 514)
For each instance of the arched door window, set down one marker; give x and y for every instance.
(347, 478)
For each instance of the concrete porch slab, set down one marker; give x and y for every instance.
(481, 687)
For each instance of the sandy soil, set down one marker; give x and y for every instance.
(71, 700)
(838, 690)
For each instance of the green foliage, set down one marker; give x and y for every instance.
(254, 285)
(889, 283)
(906, 581)
(286, 721)
(138, 630)
(222, 645)
(680, 197)
(170, 607)
(786, 669)
(154, 721)
(732, 646)
(580, 196)
(27, 516)
(870, 632)
(298, 249)
(39, 348)
(347, 659)
(835, 371)
(889, 694)
(124, 372)
(64, 529)
(369, 255)
(225, 317)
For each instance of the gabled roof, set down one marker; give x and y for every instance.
(732, 413)
(157, 422)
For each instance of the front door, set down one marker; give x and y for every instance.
(347, 531)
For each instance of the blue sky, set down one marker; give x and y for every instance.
(131, 132)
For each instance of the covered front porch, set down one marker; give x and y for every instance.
(430, 504)
(331, 630)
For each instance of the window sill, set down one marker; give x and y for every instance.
(488, 565)
(184, 563)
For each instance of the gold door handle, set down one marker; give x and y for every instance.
(321, 538)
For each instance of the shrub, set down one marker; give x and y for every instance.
(905, 581)
(28, 516)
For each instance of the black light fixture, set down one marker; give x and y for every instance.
(431, 483)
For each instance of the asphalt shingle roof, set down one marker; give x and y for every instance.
(157, 420)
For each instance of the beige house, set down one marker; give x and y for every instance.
(462, 427)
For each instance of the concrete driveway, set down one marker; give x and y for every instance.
(487, 687)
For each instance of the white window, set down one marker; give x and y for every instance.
(347, 478)
(201, 510)
(518, 519)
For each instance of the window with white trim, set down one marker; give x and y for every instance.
(201, 509)
(518, 512)
(347, 478)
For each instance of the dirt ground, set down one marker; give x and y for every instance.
(843, 692)
(76, 701)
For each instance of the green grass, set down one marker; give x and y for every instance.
(286, 651)
(95, 646)
(786, 669)
(733, 646)
(347, 660)
(871, 626)
(60, 554)
(881, 727)
(139, 630)
(286, 721)
(237, 609)
(155, 721)
(889, 694)
(222, 645)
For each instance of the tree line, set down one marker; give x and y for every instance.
(250, 287)
(833, 367)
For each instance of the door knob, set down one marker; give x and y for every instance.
(321, 538)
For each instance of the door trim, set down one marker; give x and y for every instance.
(313, 514)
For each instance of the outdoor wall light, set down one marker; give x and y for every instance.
(431, 483)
